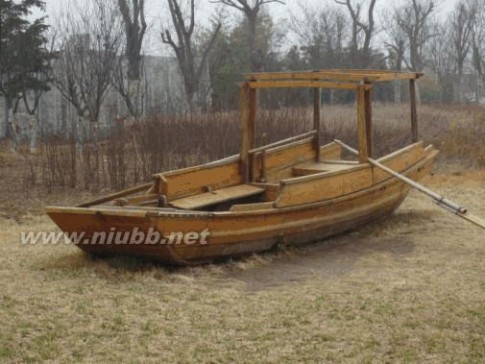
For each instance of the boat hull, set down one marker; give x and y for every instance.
(232, 234)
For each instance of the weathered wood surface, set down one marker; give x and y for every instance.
(306, 84)
(240, 232)
(300, 199)
(317, 119)
(305, 169)
(217, 196)
(120, 194)
(331, 184)
(337, 75)
(245, 134)
(414, 112)
(368, 122)
(362, 126)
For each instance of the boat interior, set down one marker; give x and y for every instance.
(262, 177)
(219, 186)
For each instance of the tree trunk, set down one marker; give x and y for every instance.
(477, 88)
(252, 22)
(34, 134)
(13, 129)
(461, 96)
(135, 97)
(4, 127)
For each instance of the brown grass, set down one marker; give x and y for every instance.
(407, 289)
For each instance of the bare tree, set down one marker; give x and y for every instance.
(134, 21)
(32, 98)
(396, 43)
(90, 41)
(478, 48)
(441, 58)
(367, 27)
(192, 61)
(414, 21)
(135, 29)
(251, 9)
(321, 35)
(461, 21)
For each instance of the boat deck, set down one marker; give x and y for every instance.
(324, 166)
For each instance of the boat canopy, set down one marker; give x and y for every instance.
(361, 81)
(348, 79)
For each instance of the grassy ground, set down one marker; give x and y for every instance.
(410, 288)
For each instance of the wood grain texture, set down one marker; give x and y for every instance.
(217, 196)
(414, 111)
(362, 126)
(236, 233)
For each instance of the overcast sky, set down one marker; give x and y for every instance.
(156, 12)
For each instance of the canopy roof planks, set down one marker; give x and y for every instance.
(328, 78)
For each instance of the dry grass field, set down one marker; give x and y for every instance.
(410, 288)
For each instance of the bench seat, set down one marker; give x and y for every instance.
(217, 196)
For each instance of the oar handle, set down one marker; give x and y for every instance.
(440, 200)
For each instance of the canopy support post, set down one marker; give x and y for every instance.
(368, 121)
(362, 125)
(245, 144)
(248, 115)
(414, 113)
(317, 121)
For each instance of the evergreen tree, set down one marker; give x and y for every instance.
(23, 54)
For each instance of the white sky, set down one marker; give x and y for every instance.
(157, 13)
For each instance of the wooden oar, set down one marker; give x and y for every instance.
(440, 200)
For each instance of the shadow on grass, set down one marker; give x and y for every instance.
(332, 257)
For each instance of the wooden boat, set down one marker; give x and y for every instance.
(294, 191)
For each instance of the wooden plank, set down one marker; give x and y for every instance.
(316, 121)
(380, 75)
(323, 188)
(252, 207)
(251, 126)
(327, 185)
(120, 194)
(398, 77)
(305, 169)
(440, 200)
(331, 151)
(217, 196)
(400, 162)
(311, 75)
(368, 122)
(135, 200)
(245, 134)
(281, 160)
(414, 112)
(197, 181)
(362, 125)
(304, 84)
(282, 142)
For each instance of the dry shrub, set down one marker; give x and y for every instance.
(466, 141)
(133, 153)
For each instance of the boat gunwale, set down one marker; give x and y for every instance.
(235, 158)
(143, 212)
(357, 167)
